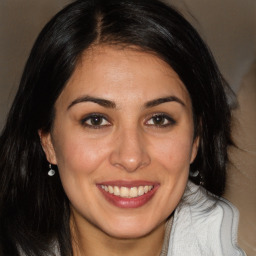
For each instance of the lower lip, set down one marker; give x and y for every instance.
(129, 202)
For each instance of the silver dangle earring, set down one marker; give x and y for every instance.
(194, 174)
(197, 175)
(51, 172)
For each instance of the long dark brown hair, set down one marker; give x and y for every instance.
(34, 210)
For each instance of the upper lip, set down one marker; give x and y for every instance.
(128, 183)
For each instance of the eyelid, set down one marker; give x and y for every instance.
(93, 115)
(171, 120)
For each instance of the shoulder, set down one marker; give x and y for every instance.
(204, 225)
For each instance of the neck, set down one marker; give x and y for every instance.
(89, 240)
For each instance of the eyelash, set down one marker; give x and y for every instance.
(168, 121)
(95, 116)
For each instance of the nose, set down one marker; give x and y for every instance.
(130, 153)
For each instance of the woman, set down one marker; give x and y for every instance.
(120, 104)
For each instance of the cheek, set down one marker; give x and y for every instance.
(78, 160)
(79, 156)
(174, 153)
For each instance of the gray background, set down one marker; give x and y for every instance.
(229, 28)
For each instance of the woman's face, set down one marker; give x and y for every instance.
(123, 141)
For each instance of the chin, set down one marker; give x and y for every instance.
(128, 234)
(129, 230)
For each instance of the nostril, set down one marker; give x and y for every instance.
(130, 152)
(130, 163)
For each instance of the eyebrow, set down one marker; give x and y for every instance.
(159, 101)
(102, 102)
(110, 104)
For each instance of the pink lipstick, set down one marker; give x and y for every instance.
(128, 194)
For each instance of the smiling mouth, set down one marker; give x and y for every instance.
(126, 192)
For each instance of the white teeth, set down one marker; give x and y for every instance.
(133, 192)
(126, 192)
(110, 189)
(116, 191)
(141, 191)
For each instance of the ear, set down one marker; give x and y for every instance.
(194, 149)
(47, 145)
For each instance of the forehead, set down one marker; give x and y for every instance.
(112, 73)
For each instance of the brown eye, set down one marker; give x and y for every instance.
(160, 120)
(95, 121)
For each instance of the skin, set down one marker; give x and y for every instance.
(133, 140)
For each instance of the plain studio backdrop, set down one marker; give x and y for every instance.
(229, 28)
